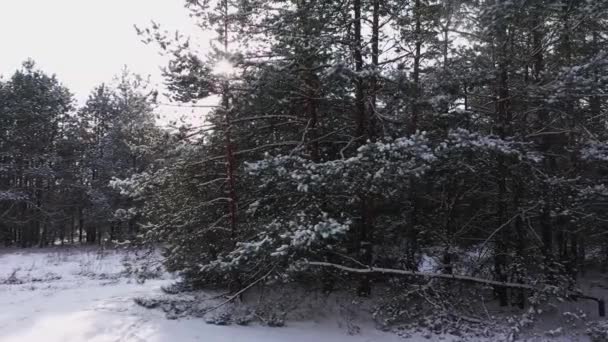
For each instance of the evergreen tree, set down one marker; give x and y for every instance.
(32, 107)
(365, 133)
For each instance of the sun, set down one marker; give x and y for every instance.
(223, 67)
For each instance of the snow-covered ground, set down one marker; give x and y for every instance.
(81, 295)
(84, 295)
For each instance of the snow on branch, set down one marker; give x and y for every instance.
(595, 151)
(12, 196)
(424, 275)
(601, 302)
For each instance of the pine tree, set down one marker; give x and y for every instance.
(369, 133)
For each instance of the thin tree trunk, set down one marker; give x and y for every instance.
(80, 225)
(371, 135)
(416, 73)
(412, 230)
(72, 228)
(503, 119)
(359, 86)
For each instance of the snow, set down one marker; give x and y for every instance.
(78, 295)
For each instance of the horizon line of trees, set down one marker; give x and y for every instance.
(57, 159)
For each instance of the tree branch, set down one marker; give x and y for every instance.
(424, 275)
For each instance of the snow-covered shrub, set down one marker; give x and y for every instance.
(598, 331)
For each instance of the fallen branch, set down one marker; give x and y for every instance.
(600, 301)
(424, 275)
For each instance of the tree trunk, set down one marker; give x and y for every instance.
(416, 73)
(359, 86)
(80, 226)
(372, 129)
(503, 120)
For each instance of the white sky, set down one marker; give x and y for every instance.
(86, 42)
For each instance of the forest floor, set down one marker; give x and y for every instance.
(83, 295)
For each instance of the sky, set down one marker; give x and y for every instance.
(87, 42)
